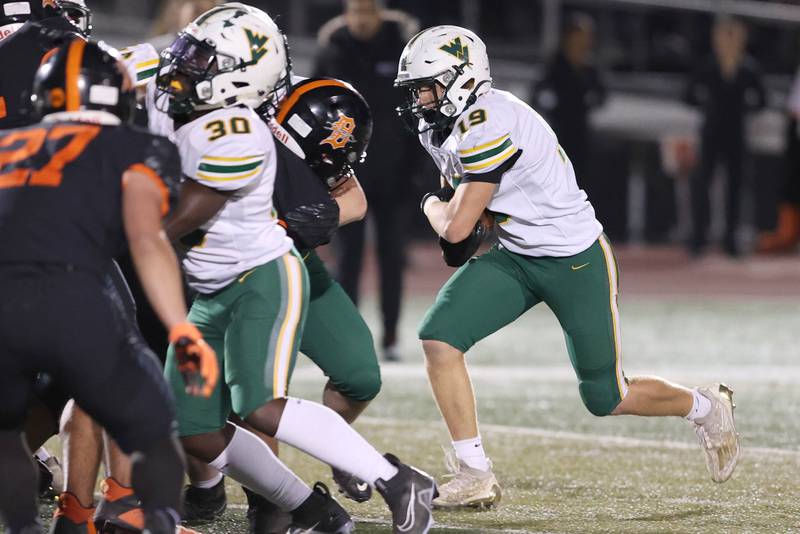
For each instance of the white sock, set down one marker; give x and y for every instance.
(322, 433)
(471, 452)
(42, 454)
(210, 483)
(250, 462)
(701, 406)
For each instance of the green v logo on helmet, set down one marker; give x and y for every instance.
(258, 45)
(456, 49)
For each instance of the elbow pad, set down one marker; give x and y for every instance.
(312, 225)
(457, 254)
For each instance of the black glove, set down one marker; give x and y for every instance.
(457, 254)
(444, 194)
(312, 225)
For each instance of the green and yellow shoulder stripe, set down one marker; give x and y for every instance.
(486, 156)
(228, 169)
(141, 61)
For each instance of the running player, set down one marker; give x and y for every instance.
(495, 153)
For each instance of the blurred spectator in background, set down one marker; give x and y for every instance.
(787, 234)
(174, 16)
(363, 46)
(726, 88)
(570, 89)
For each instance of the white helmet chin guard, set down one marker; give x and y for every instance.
(451, 56)
(231, 55)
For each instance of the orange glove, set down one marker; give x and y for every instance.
(197, 361)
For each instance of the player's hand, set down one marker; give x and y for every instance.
(196, 360)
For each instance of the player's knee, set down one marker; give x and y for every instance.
(599, 397)
(362, 385)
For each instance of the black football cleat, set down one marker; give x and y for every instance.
(351, 486)
(265, 517)
(409, 494)
(320, 514)
(201, 504)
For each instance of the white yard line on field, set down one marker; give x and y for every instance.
(733, 374)
(595, 439)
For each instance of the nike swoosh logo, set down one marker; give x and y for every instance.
(410, 512)
(579, 267)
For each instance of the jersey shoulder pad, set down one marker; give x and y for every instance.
(160, 155)
(485, 136)
(229, 149)
(141, 62)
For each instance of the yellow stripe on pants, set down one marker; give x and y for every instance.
(613, 285)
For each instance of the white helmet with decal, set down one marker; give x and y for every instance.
(451, 56)
(232, 54)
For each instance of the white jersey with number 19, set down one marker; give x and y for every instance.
(538, 206)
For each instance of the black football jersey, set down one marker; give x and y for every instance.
(298, 190)
(61, 189)
(21, 54)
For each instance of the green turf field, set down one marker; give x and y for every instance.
(562, 469)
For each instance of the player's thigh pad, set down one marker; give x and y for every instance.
(485, 294)
(582, 292)
(264, 333)
(337, 339)
(68, 329)
(200, 415)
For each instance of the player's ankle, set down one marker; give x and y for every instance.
(701, 406)
(470, 451)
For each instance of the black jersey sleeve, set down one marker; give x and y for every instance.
(303, 202)
(158, 157)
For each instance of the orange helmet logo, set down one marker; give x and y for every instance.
(50, 3)
(341, 132)
(57, 98)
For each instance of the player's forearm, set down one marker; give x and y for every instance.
(352, 205)
(446, 221)
(158, 271)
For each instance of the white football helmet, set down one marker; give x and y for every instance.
(451, 56)
(231, 55)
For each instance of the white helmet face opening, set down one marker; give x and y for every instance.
(450, 57)
(231, 55)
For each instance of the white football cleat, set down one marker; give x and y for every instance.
(717, 432)
(468, 487)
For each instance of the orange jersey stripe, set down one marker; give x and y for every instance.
(295, 96)
(3, 111)
(150, 173)
(74, 60)
(47, 55)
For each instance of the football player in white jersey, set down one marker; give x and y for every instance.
(501, 164)
(252, 285)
